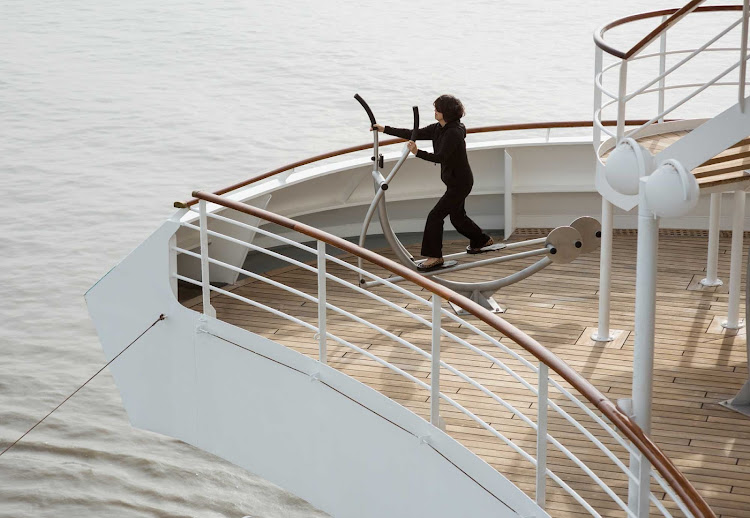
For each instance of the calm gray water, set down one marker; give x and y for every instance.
(111, 110)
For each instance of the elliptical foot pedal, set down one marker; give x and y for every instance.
(491, 248)
(446, 264)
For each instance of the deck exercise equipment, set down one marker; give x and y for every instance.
(562, 245)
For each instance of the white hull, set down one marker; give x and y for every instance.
(320, 434)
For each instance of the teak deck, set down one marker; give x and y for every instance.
(696, 365)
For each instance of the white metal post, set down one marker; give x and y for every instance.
(643, 351)
(322, 337)
(173, 264)
(602, 333)
(207, 308)
(509, 212)
(743, 54)
(435, 373)
(621, 93)
(662, 69)
(598, 58)
(541, 436)
(735, 265)
(712, 262)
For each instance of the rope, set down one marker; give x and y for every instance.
(161, 317)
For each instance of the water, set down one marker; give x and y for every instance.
(110, 111)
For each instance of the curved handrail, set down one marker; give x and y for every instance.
(362, 147)
(675, 15)
(689, 495)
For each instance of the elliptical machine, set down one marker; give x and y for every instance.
(562, 245)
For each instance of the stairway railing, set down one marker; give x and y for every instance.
(612, 433)
(622, 97)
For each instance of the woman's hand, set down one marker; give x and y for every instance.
(378, 127)
(412, 146)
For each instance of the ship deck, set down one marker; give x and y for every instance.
(697, 363)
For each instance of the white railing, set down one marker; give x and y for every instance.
(593, 447)
(623, 96)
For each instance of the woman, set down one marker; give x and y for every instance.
(448, 140)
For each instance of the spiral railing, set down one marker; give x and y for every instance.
(573, 418)
(658, 83)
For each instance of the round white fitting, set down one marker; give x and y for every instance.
(626, 164)
(671, 190)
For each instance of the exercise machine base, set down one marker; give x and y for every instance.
(489, 304)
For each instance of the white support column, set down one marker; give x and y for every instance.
(541, 436)
(712, 263)
(208, 309)
(435, 418)
(735, 268)
(509, 213)
(643, 352)
(322, 310)
(741, 402)
(602, 333)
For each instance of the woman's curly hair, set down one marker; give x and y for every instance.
(450, 107)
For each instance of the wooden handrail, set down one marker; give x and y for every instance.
(684, 489)
(362, 147)
(675, 15)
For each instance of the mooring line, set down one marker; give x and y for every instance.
(161, 317)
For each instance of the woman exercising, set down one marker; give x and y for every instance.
(448, 140)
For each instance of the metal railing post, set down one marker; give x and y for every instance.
(621, 94)
(541, 435)
(735, 263)
(662, 68)
(435, 372)
(598, 58)
(206, 285)
(743, 53)
(712, 262)
(322, 333)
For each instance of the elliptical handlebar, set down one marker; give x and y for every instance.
(367, 109)
(415, 109)
(381, 185)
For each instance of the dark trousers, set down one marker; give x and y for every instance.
(451, 204)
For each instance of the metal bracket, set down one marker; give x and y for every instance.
(486, 302)
(625, 405)
(741, 402)
(202, 325)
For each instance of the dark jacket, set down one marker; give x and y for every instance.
(449, 145)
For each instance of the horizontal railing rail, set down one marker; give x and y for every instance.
(625, 433)
(675, 15)
(362, 147)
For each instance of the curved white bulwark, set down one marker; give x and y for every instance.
(524, 183)
(329, 439)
